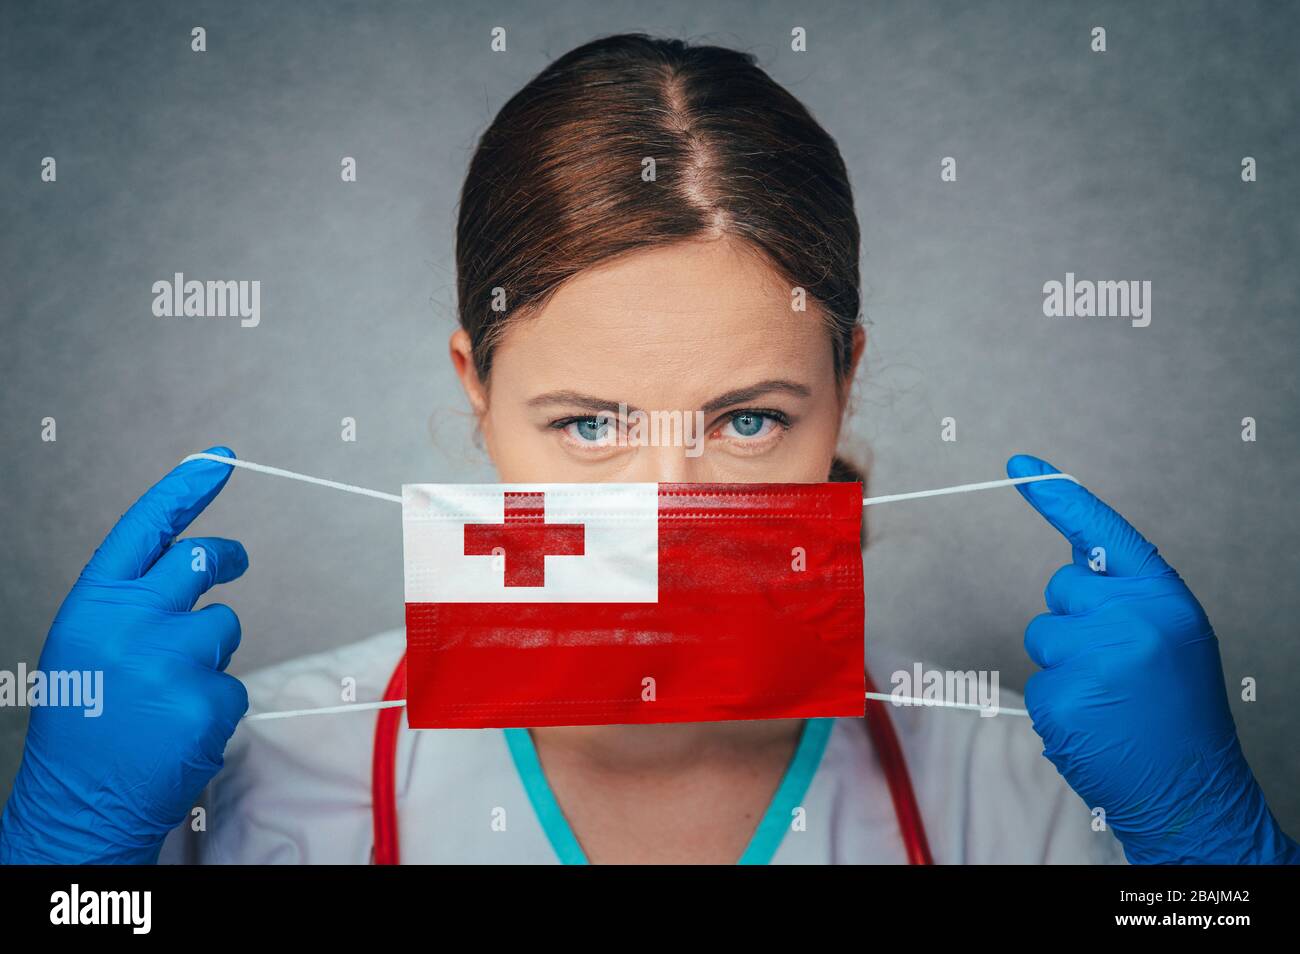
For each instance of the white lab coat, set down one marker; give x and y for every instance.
(297, 791)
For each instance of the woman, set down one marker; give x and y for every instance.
(641, 225)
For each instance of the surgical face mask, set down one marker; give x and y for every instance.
(603, 603)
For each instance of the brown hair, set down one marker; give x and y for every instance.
(555, 185)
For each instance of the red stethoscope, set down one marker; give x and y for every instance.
(383, 783)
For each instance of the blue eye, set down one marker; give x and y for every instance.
(590, 430)
(749, 424)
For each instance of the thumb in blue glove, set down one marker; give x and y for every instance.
(1130, 703)
(108, 789)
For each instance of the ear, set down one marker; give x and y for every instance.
(462, 361)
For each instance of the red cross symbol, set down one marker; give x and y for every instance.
(526, 538)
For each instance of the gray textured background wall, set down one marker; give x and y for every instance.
(1122, 165)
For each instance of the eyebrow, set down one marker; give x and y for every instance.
(728, 399)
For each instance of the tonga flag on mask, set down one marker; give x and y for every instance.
(601, 604)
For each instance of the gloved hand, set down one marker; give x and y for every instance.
(1130, 702)
(108, 789)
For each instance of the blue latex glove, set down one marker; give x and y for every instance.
(108, 789)
(1131, 703)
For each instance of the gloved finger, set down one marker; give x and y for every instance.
(1045, 690)
(232, 701)
(1077, 589)
(1051, 640)
(1086, 521)
(210, 636)
(209, 716)
(191, 567)
(153, 521)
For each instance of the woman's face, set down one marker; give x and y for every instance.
(698, 333)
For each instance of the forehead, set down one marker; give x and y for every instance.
(671, 324)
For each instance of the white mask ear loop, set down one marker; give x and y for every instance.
(867, 502)
(380, 495)
(277, 472)
(965, 488)
(901, 701)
